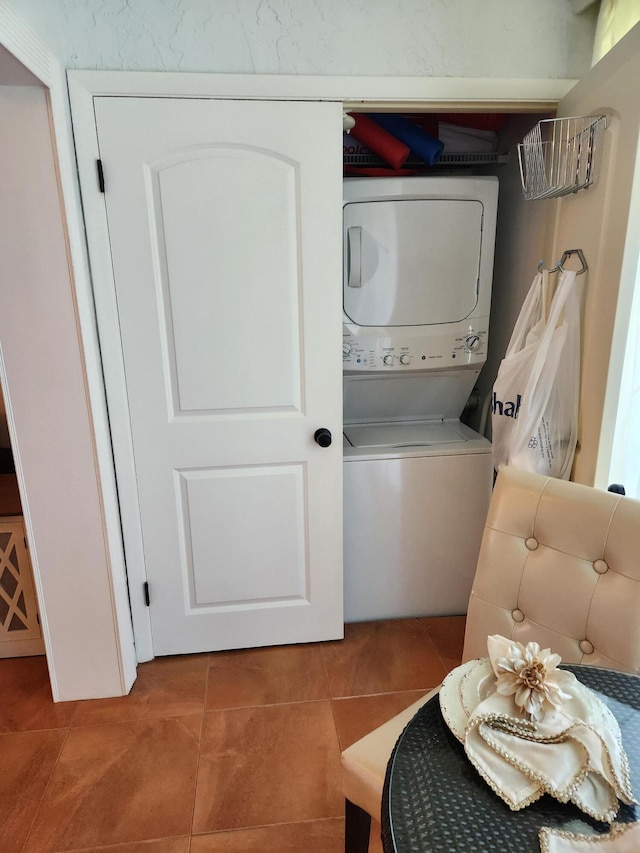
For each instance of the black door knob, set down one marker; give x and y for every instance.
(617, 489)
(322, 436)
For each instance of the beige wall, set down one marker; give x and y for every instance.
(598, 221)
(46, 392)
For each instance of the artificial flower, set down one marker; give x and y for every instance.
(529, 674)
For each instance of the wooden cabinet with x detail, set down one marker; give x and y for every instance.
(20, 632)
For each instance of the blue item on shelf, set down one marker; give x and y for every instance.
(422, 144)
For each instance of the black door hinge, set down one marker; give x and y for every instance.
(145, 590)
(100, 175)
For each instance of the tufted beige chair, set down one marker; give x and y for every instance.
(559, 563)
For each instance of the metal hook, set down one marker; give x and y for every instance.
(580, 255)
(559, 267)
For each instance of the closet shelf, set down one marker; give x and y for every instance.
(445, 160)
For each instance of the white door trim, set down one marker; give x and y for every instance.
(27, 48)
(104, 294)
(486, 93)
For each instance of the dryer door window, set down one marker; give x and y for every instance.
(411, 262)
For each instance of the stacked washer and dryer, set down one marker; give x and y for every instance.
(418, 266)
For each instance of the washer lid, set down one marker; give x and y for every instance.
(411, 262)
(409, 434)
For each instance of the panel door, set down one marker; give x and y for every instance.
(224, 225)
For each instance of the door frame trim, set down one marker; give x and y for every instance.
(393, 93)
(358, 93)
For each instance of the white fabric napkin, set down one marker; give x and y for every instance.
(623, 838)
(574, 753)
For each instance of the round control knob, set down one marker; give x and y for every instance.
(405, 359)
(322, 437)
(388, 360)
(472, 343)
(346, 349)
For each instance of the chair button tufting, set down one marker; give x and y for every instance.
(517, 615)
(600, 566)
(586, 647)
(531, 543)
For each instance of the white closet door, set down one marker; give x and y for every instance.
(225, 220)
(603, 221)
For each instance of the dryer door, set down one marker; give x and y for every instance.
(411, 262)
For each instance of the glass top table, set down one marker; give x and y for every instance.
(434, 800)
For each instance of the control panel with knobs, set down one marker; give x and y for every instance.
(472, 343)
(416, 351)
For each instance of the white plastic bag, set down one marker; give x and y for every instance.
(535, 397)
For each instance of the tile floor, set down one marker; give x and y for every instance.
(229, 752)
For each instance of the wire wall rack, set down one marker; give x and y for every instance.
(561, 156)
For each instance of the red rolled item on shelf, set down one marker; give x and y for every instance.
(378, 140)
